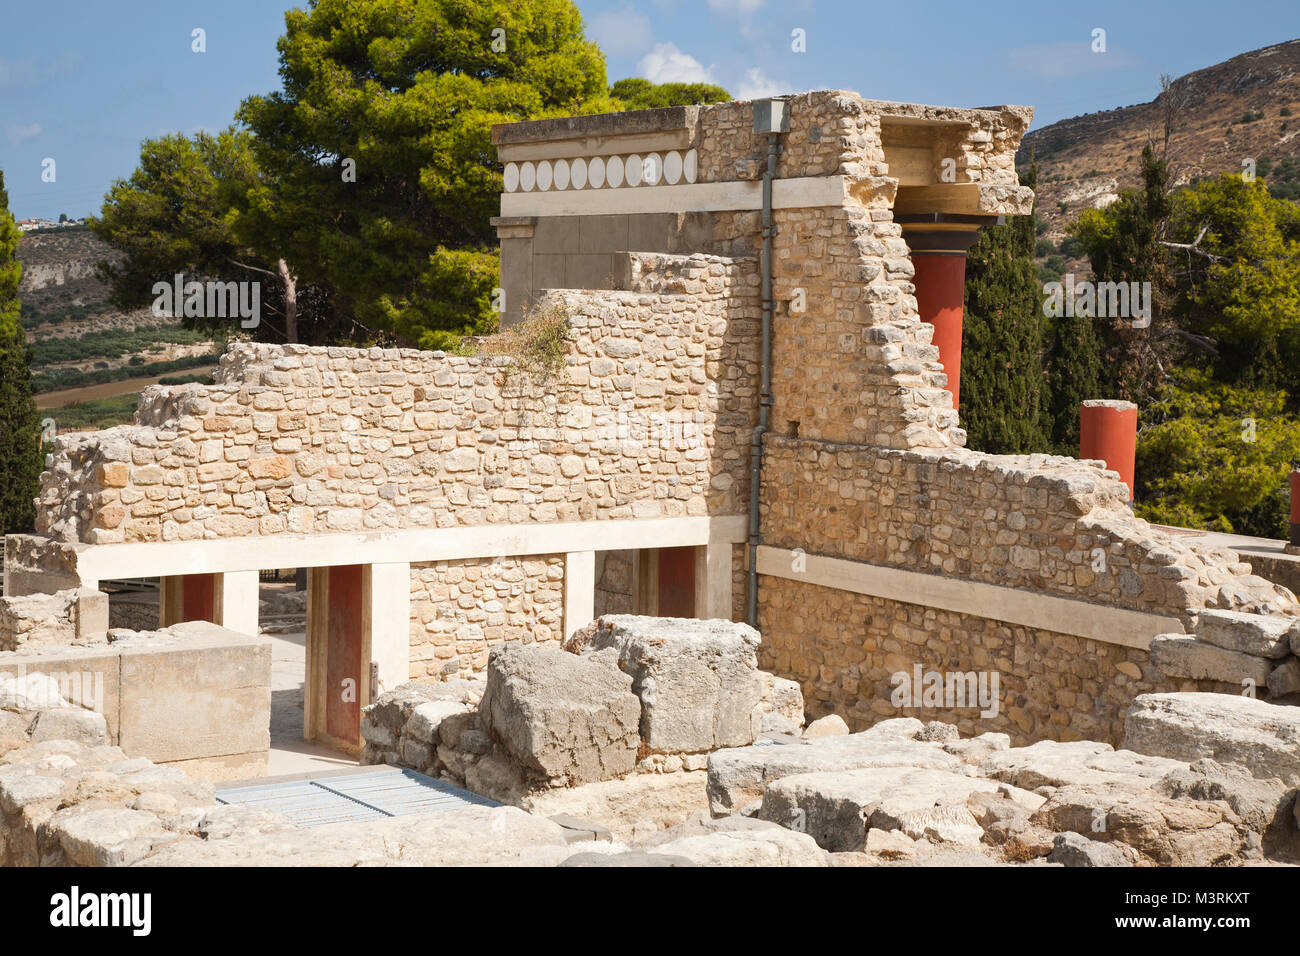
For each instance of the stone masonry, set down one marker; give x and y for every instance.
(655, 268)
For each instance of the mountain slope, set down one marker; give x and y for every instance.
(1245, 108)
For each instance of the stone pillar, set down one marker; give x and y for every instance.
(579, 590)
(388, 612)
(1108, 432)
(713, 598)
(236, 601)
(517, 280)
(938, 243)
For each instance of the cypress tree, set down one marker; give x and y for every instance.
(20, 429)
(1074, 374)
(1002, 340)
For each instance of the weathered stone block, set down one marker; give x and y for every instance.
(1242, 731)
(1256, 634)
(560, 715)
(1178, 655)
(698, 681)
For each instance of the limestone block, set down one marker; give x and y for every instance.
(698, 681)
(739, 776)
(1050, 763)
(836, 808)
(1232, 730)
(206, 696)
(1179, 655)
(1255, 634)
(559, 715)
(1072, 849)
(1285, 678)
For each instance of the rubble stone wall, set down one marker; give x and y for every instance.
(1048, 524)
(654, 422)
(844, 648)
(462, 609)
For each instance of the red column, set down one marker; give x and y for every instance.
(343, 653)
(940, 282)
(1108, 431)
(199, 597)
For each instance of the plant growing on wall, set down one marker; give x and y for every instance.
(537, 348)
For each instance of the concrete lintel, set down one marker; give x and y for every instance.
(620, 145)
(632, 122)
(805, 192)
(146, 559)
(1045, 612)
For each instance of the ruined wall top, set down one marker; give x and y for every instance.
(964, 157)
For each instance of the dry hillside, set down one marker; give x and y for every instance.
(1246, 107)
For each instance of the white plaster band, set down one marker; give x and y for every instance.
(803, 193)
(413, 545)
(1094, 622)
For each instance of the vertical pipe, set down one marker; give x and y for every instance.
(765, 384)
(1295, 508)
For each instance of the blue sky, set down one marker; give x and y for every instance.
(84, 82)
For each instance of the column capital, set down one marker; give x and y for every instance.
(942, 233)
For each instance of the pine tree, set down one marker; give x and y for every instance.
(20, 432)
(1123, 243)
(1002, 340)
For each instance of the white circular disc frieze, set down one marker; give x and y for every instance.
(614, 171)
(578, 173)
(596, 172)
(544, 175)
(652, 169)
(561, 174)
(511, 177)
(690, 165)
(527, 177)
(673, 167)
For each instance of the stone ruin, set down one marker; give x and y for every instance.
(461, 527)
(563, 738)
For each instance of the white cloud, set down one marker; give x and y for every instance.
(743, 8)
(19, 133)
(667, 64)
(620, 31)
(1056, 60)
(757, 85)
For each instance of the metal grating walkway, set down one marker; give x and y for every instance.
(353, 797)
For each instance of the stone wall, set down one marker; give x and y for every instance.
(462, 609)
(844, 649)
(293, 439)
(1048, 524)
(61, 618)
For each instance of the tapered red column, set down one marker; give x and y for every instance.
(1108, 432)
(940, 282)
(938, 244)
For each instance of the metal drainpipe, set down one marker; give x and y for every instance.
(765, 380)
